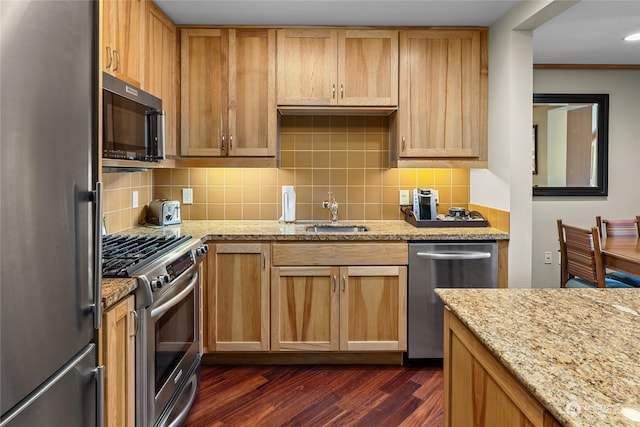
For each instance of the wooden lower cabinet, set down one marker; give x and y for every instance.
(338, 308)
(117, 354)
(237, 297)
(479, 391)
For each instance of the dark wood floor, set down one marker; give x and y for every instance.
(314, 395)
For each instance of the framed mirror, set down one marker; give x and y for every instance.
(569, 144)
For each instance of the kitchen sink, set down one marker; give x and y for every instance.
(327, 228)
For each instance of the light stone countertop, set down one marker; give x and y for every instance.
(576, 350)
(274, 230)
(113, 290)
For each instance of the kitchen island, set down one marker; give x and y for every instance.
(561, 356)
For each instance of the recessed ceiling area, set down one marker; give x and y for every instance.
(589, 32)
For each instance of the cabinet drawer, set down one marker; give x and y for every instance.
(356, 253)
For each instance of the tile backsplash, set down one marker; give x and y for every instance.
(118, 196)
(347, 155)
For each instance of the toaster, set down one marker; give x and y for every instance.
(163, 212)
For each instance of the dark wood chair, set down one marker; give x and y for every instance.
(581, 263)
(627, 227)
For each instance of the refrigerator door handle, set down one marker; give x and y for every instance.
(97, 260)
(100, 396)
(454, 256)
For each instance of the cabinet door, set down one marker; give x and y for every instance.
(123, 31)
(304, 309)
(252, 89)
(109, 34)
(160, 70)
(478, 388)
(373, 308)
(368, 68)
(443, 93)
(307, 67)
(238, 297)
(118, 357)
(204, 95)
(130, 45)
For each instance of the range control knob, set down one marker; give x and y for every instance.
(156, 284)
(165, 278)
(202, 250)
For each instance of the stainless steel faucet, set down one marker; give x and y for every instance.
(332, 205)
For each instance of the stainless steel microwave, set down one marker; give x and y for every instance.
(132, 122)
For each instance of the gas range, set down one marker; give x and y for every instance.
(123, 256)
(156, 261)
(167, 301)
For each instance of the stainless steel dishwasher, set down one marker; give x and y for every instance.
(442, 265)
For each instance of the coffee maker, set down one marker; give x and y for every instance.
(424, 204)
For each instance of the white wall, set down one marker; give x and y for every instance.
(506, 184)
(623, 201)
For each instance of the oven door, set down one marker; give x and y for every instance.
(172, 335)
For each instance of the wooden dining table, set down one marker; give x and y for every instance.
(621, 254)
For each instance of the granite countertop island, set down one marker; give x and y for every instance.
(577, 351)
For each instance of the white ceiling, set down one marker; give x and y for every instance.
(590, 32)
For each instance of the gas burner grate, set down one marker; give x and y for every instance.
(123, 254)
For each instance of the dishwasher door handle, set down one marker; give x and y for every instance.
(454, 255)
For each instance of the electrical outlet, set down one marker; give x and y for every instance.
(187, 196)
(134, 199)
(404, 198)
(547, 257)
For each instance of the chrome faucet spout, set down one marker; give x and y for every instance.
(332, 205)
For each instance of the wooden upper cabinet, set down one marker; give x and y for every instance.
(368, 67)
(329, 67)
(443, 94)
(228, 92)
(160, 75)
(122, 41)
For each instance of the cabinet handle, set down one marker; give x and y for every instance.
(110, 55)
(264, 260)
(222, 145)
(334, 283)
(117, 57)
(404, 143)
(230, 142)
(333, 91)
(344, 283)
(341, 92)
(134, 316)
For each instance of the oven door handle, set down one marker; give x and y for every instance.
(163, 308)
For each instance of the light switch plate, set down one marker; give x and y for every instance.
(187, 196)
(134, 199)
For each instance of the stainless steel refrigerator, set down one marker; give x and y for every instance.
(49, 208)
